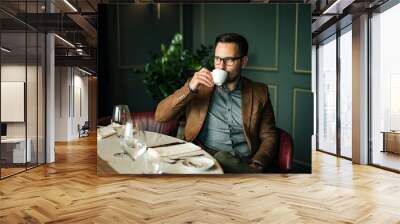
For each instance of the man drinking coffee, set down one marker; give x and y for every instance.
(232, 119)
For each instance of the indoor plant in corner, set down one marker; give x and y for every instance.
(168, 72)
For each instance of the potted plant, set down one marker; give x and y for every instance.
(169, 71)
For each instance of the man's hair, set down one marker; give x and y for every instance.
(234, 38)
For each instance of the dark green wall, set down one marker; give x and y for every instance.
(279, 39)
(133, 31)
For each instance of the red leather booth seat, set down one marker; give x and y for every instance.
(284, 158)
(147, 123)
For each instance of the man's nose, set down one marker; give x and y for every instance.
(223, 65)
(220, 66)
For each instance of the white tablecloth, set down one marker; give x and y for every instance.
(107, 147)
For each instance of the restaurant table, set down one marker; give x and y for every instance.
(109, 164)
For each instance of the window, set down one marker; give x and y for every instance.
(346, 92)
(385, 87)
(22, 66)
(327, 96)
(329, 112)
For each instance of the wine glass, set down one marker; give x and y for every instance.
(120, 117)
(134, 140)
(152, 162)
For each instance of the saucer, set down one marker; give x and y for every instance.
(198, 163)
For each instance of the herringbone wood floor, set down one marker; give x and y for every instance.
(69, 191)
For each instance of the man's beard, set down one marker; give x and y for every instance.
(231, 80)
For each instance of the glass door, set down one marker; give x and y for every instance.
(14, 154)
(22, 77)
(327, 95)
(385, 89)
(346, 92)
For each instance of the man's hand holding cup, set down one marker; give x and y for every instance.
(202, 77)
(206, 78)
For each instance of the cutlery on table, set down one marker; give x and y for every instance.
(175, 160)
(167, 144)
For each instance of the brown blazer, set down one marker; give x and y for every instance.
(257, 113)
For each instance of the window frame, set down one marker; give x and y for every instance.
(337, 35)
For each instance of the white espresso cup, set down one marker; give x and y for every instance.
(219, 76)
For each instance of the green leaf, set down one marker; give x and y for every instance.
(168, 72)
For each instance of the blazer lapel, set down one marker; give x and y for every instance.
(247, 104)
(199, 108)
(204, 99)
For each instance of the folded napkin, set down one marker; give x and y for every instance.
(105, 132)
(175, 151)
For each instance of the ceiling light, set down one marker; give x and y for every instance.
(5, 50)
(338, 6)
(84, 71)
(329, 9)
(80, 51)
(70, 5)
(65, 41)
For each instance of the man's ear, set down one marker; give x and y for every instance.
(245, 59)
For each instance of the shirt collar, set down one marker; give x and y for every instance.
(238, 85)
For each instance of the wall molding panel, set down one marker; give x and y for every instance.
(295, 92)
(296, 31)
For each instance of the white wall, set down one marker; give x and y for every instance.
(61, 103)
(71, 102)
(16, 73)
(80, 110)
(33, 127)
(12, 73)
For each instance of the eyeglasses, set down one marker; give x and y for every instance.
(227, 61)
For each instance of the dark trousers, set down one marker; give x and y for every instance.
(231, 164)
